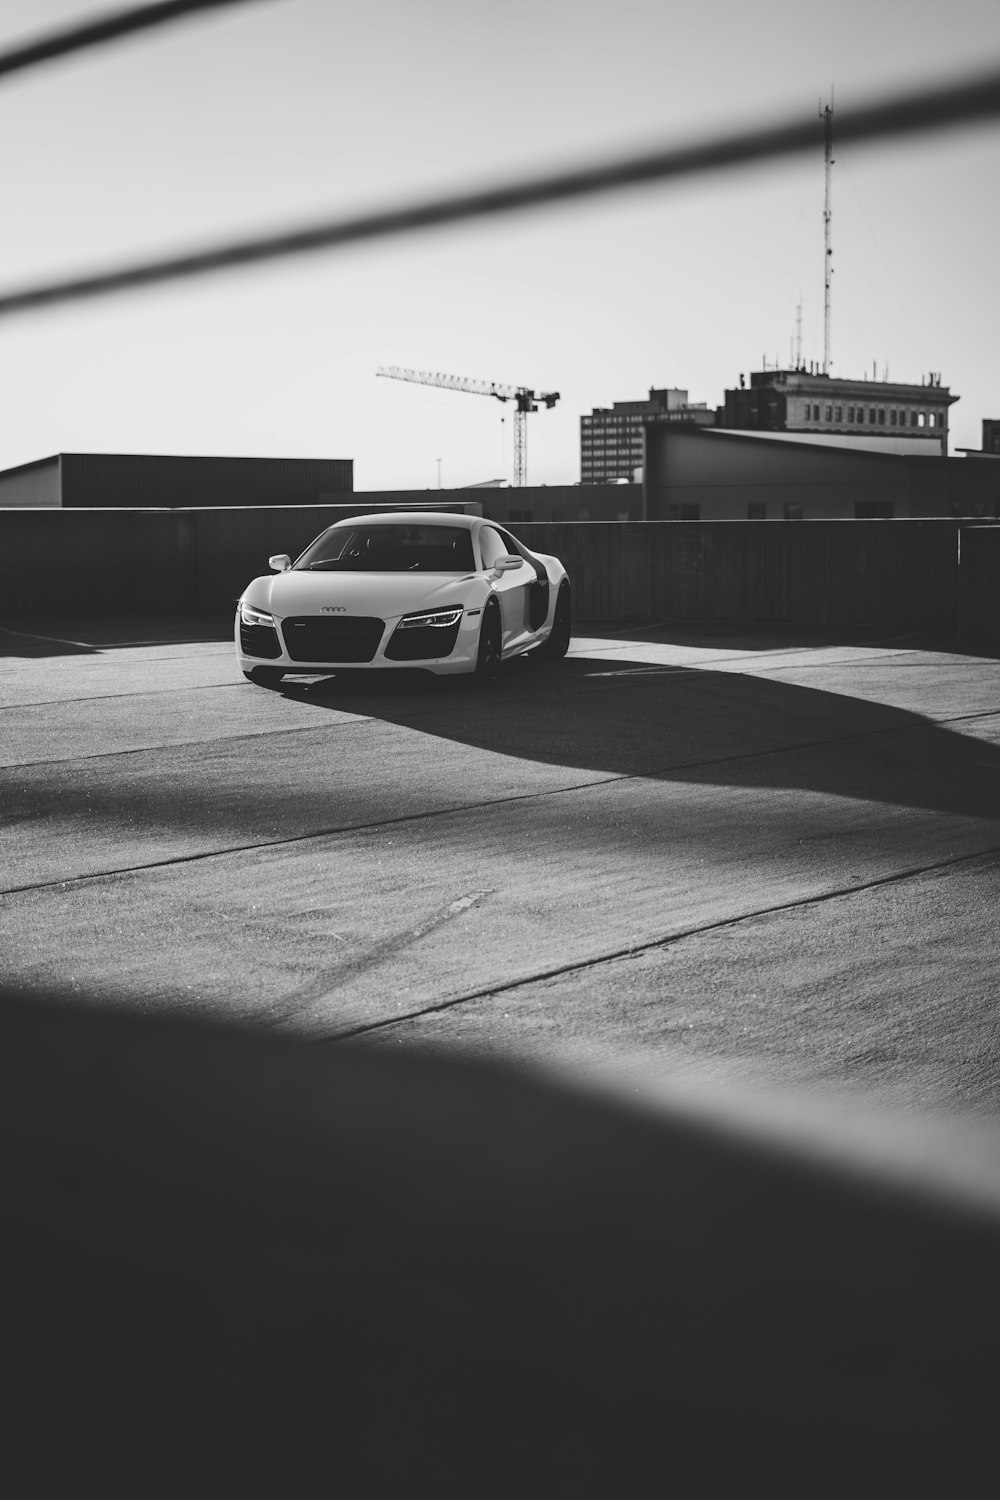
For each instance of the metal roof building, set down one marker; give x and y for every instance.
(130, 481)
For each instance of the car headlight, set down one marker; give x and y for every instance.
(441, 617)
(251, 616)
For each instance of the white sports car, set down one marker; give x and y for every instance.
(443, 592)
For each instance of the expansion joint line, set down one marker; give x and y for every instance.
(346, 830)
(634, 950)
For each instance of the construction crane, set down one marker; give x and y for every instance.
(524, 400)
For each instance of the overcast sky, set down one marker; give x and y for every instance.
(289, 110)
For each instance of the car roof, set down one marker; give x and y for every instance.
(412, 518)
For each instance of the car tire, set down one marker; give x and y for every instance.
(269, 677)
(490, 653)
(556, 643)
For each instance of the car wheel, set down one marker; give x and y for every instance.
(268, 677)
(555, 646)
(490, 652)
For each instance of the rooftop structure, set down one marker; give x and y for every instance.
(807, 401)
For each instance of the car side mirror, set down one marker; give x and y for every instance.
(280, 562)
(505, 564)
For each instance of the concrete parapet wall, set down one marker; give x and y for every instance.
(150, 561)
(911, 574)
(832, 573)
(980, 582)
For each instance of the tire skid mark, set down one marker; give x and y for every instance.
(339, 974)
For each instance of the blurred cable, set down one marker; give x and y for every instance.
(103, 29)
(972, 100)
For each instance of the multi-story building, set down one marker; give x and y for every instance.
(914, 416)
(611, 438)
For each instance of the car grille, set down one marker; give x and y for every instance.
(259, 640)
(332, 638)
(423, 642)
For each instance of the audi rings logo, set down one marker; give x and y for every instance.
(333, 609)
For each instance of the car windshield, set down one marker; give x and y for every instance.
(390, 549)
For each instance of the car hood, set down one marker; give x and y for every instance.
(383, 594)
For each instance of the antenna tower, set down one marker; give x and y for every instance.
(826, 114)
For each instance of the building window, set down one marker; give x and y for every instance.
(920, 419)
(850, 413)
(756, 511)
(930, 419)
(871, 415)
(892, 418)
(815, 413)
(881, 416)
(829, 414)
(793, 513)
(839, 416)
(913, 419)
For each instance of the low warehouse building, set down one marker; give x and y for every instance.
(715, 474)
(151, 481)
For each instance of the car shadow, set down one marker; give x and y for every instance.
(608, 712)
(687, 723)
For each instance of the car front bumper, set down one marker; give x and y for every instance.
(356, 644)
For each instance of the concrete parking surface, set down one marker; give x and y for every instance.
(733, 856)
(716, 1195)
